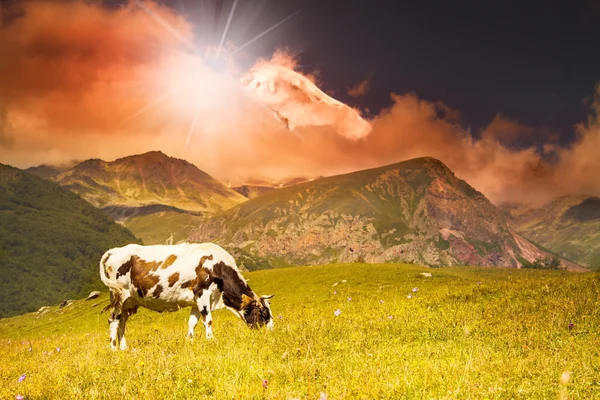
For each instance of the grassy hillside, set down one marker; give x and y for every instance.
(51, 242)
(467, 333)
(569, 226)
(416, 211)
(161, 227)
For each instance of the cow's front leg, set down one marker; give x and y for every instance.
(193, 321)
(204, 307)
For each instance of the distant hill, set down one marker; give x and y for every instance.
(568, 226)
(51, 242)
(251, 191)
(148, 179)
(48, 171)
(416, 211)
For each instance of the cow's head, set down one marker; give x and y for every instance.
(257, 311)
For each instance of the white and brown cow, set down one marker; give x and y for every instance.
(167, 278)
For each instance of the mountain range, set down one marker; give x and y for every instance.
(568, 226)
(415, 211)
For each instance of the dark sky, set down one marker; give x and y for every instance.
(534, 62)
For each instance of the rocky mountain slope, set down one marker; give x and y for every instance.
(416, 211)
(568, 226)
(51, 242)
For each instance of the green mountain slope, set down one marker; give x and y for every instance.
(569, 226)
(416, 211)
(51, 242)
(148, 179)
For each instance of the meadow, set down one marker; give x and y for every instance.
(351, 331)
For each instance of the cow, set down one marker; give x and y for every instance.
(169, 277)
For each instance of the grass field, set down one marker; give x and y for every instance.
(466, 333)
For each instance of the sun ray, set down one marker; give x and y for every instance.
(191, 132)
(152, 104)
(260, 35)
(166, 25)
(227, 26)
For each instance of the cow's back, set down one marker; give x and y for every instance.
(160, 277)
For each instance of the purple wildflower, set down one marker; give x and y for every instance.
(22, 377)
(337, 312)
(265, 384)
(335, 292)
(571, 325)
(19, 397)
(58, 349)
(349, 298)
(391, 317)
(415, 290)
(280, 317)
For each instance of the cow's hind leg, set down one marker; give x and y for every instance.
(193, 321)
(203, 302)
(114, 322)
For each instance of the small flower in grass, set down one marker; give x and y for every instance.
(409, 296)
(58, 349)
(380, 301)
(344, 281)
(280, 317)
(19, 397)
(391, 317)
(22, 377)
(349, 298)
(335, 292)
(337, 312)
(571, 325)
(415, 290)
(265, 383)
(323, 396)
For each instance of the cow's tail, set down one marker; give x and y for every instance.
(113, 287)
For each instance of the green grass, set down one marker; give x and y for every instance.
(157, 228)
(468, 333)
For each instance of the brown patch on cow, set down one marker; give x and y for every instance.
(210, 322)
(173, 279)
(106, 271)
(114, 342)
(141, 276)
(169, 261)
(125, 268)
(188, 284)
(200, 282)
(157, 291)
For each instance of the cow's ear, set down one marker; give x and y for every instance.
(246, 300)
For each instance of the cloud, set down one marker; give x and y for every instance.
(73, 70)
(75, 75)
(360, 89)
